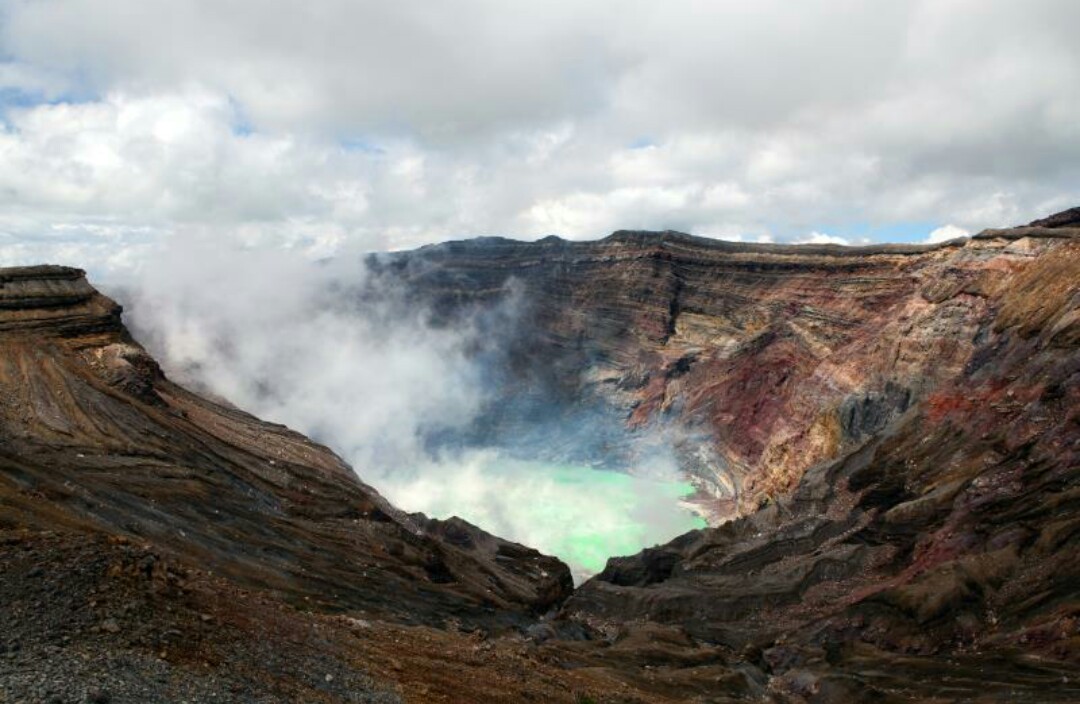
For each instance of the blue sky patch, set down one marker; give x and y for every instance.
(358, 144)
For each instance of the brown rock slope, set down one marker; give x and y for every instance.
(159, 547)
(94, 438)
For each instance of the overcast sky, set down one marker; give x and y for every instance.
(337, 124)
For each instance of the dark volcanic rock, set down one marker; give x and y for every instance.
(54, 300)
(1066, 218)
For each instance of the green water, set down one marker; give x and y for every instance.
(580, 514)
(626, 505)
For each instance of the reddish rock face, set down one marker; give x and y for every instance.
(899, 429)
(784, 356)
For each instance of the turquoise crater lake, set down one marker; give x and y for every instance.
(580, 514)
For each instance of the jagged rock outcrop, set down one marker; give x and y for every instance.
(93, 437)
(53, 300)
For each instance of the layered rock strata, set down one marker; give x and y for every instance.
(771, 358)
(93, 437)
(895, 432)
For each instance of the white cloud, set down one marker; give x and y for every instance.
(287, 339)
(130, 129)
(945, 233)
(389, 126)
(821, 238)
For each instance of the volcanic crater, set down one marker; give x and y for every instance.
(885, 441)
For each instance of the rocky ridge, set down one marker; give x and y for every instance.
(894, 429)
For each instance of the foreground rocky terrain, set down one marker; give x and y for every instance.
(893, 433)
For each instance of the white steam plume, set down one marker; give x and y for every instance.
(306, 344)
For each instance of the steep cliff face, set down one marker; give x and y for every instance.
(94, 438)
(899, 428)
(770, 358)
(952, 529)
